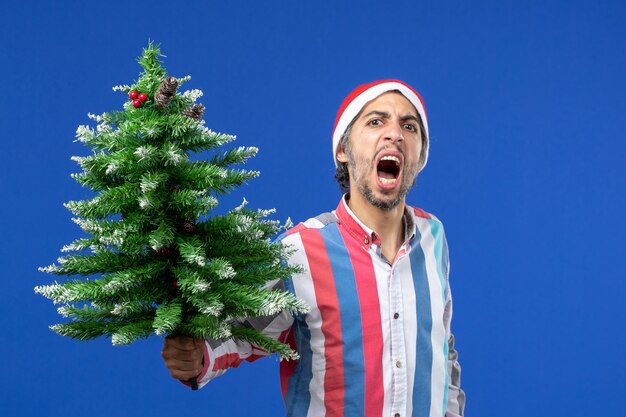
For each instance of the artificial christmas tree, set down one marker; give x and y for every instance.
(160, 260)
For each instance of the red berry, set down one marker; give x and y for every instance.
(136, 103)
(143, 97)
(159, 106)
(133, 95)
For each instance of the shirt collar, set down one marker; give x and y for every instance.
(363, 234)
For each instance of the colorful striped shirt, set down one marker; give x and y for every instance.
(377, 340)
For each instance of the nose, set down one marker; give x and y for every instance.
(394, 132)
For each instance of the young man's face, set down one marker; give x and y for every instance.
(384, 150)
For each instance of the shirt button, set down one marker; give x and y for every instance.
(398, 364)
(366, 241)
(395, 316)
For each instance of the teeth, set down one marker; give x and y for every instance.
(387, 181)
(391, 158)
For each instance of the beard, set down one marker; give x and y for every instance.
(360, 169)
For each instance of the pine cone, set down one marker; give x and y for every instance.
(195, 112)
(164, 252)
(187, 226)
(166, 91)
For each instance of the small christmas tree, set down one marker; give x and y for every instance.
(160, 261)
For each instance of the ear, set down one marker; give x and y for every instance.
(341, 155)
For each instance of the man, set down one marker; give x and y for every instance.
(377, 341)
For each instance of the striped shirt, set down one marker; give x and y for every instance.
(377, 340)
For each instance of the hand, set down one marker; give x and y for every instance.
(183, 356)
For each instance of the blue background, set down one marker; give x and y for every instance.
(526, 105)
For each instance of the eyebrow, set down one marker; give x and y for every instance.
(382, 114)
(386, 115)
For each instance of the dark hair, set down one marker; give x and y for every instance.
(341, 172)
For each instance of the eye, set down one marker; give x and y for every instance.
(375, 122)
(410, 127)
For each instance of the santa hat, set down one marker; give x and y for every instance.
(363, 94)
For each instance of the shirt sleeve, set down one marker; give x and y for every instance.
(456, 396)
(220, 355)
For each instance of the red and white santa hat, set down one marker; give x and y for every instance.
(363, 94)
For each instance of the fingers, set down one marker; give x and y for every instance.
(183, 343)
(183, 356)
(184, 370)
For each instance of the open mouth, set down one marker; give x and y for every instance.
(388, 169)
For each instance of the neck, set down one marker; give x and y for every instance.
(387, 224)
